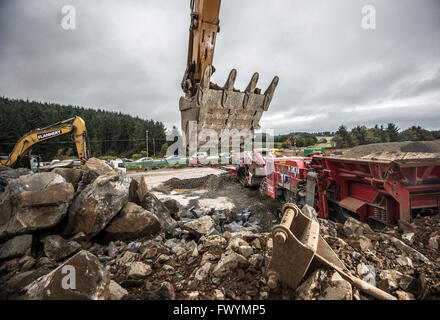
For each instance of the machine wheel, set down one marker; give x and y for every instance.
(241, 174)
(263, 188)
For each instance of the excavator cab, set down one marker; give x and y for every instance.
(209, 106)
(34, 163)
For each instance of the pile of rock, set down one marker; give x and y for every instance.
(48, 220)
(228, 266)
(399, 260)
(95, 233)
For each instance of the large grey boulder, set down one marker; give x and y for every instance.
(16, 247)
(354, 228)
(132, 191)
(132, 222)
(228, 264)
(71, 175)
(94, 168)
(142, 189)
(200, 227)
(98, 204)
(82, 277)
(324, 284)
(8, 175)
(57, 248)
(151, 203)
(34, 202)
(4, 168)
(116, 291)
(13, 288)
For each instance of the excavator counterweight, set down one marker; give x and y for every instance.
(208, 105)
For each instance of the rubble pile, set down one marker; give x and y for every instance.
(222, 197)
(108, 236)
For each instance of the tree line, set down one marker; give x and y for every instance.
(109, 133)
(300, 139)
(362, 135)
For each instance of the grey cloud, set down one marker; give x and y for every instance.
(130, 56)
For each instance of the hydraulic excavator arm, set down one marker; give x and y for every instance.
(207, 105)
(202, 36)
(75, 125)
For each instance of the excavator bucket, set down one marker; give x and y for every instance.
(296, 242)
(224, 108)
(298, 249)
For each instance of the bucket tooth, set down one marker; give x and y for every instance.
(268, 94)
(253, 83)
(202, 92)
(206, 79)
(250, 90)
(271, 89)
(229, 85)
(223, 108)
(228, 88)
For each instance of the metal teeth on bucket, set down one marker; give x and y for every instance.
(217, 108)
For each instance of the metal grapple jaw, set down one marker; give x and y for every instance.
(222, 108)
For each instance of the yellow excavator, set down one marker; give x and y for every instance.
(208, 105)
(75, 125)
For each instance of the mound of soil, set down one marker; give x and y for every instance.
(406, 146)
(212, 183)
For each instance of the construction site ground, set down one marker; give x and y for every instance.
(210, 190)
(378, 256)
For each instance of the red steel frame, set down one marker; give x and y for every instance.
(389, 190)
(285, 173)
(366, 186)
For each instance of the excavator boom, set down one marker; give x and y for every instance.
(209, 107)
(202, 36)
(75, 125)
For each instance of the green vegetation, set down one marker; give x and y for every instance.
(109, 133)
(287, 144)
(137, 156)
(108, 158)
(323, 142)
(303, 139)
(362, 135)
(359, 135)
(300, 141)
(113, 134)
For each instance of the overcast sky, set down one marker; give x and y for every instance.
(130, 56)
